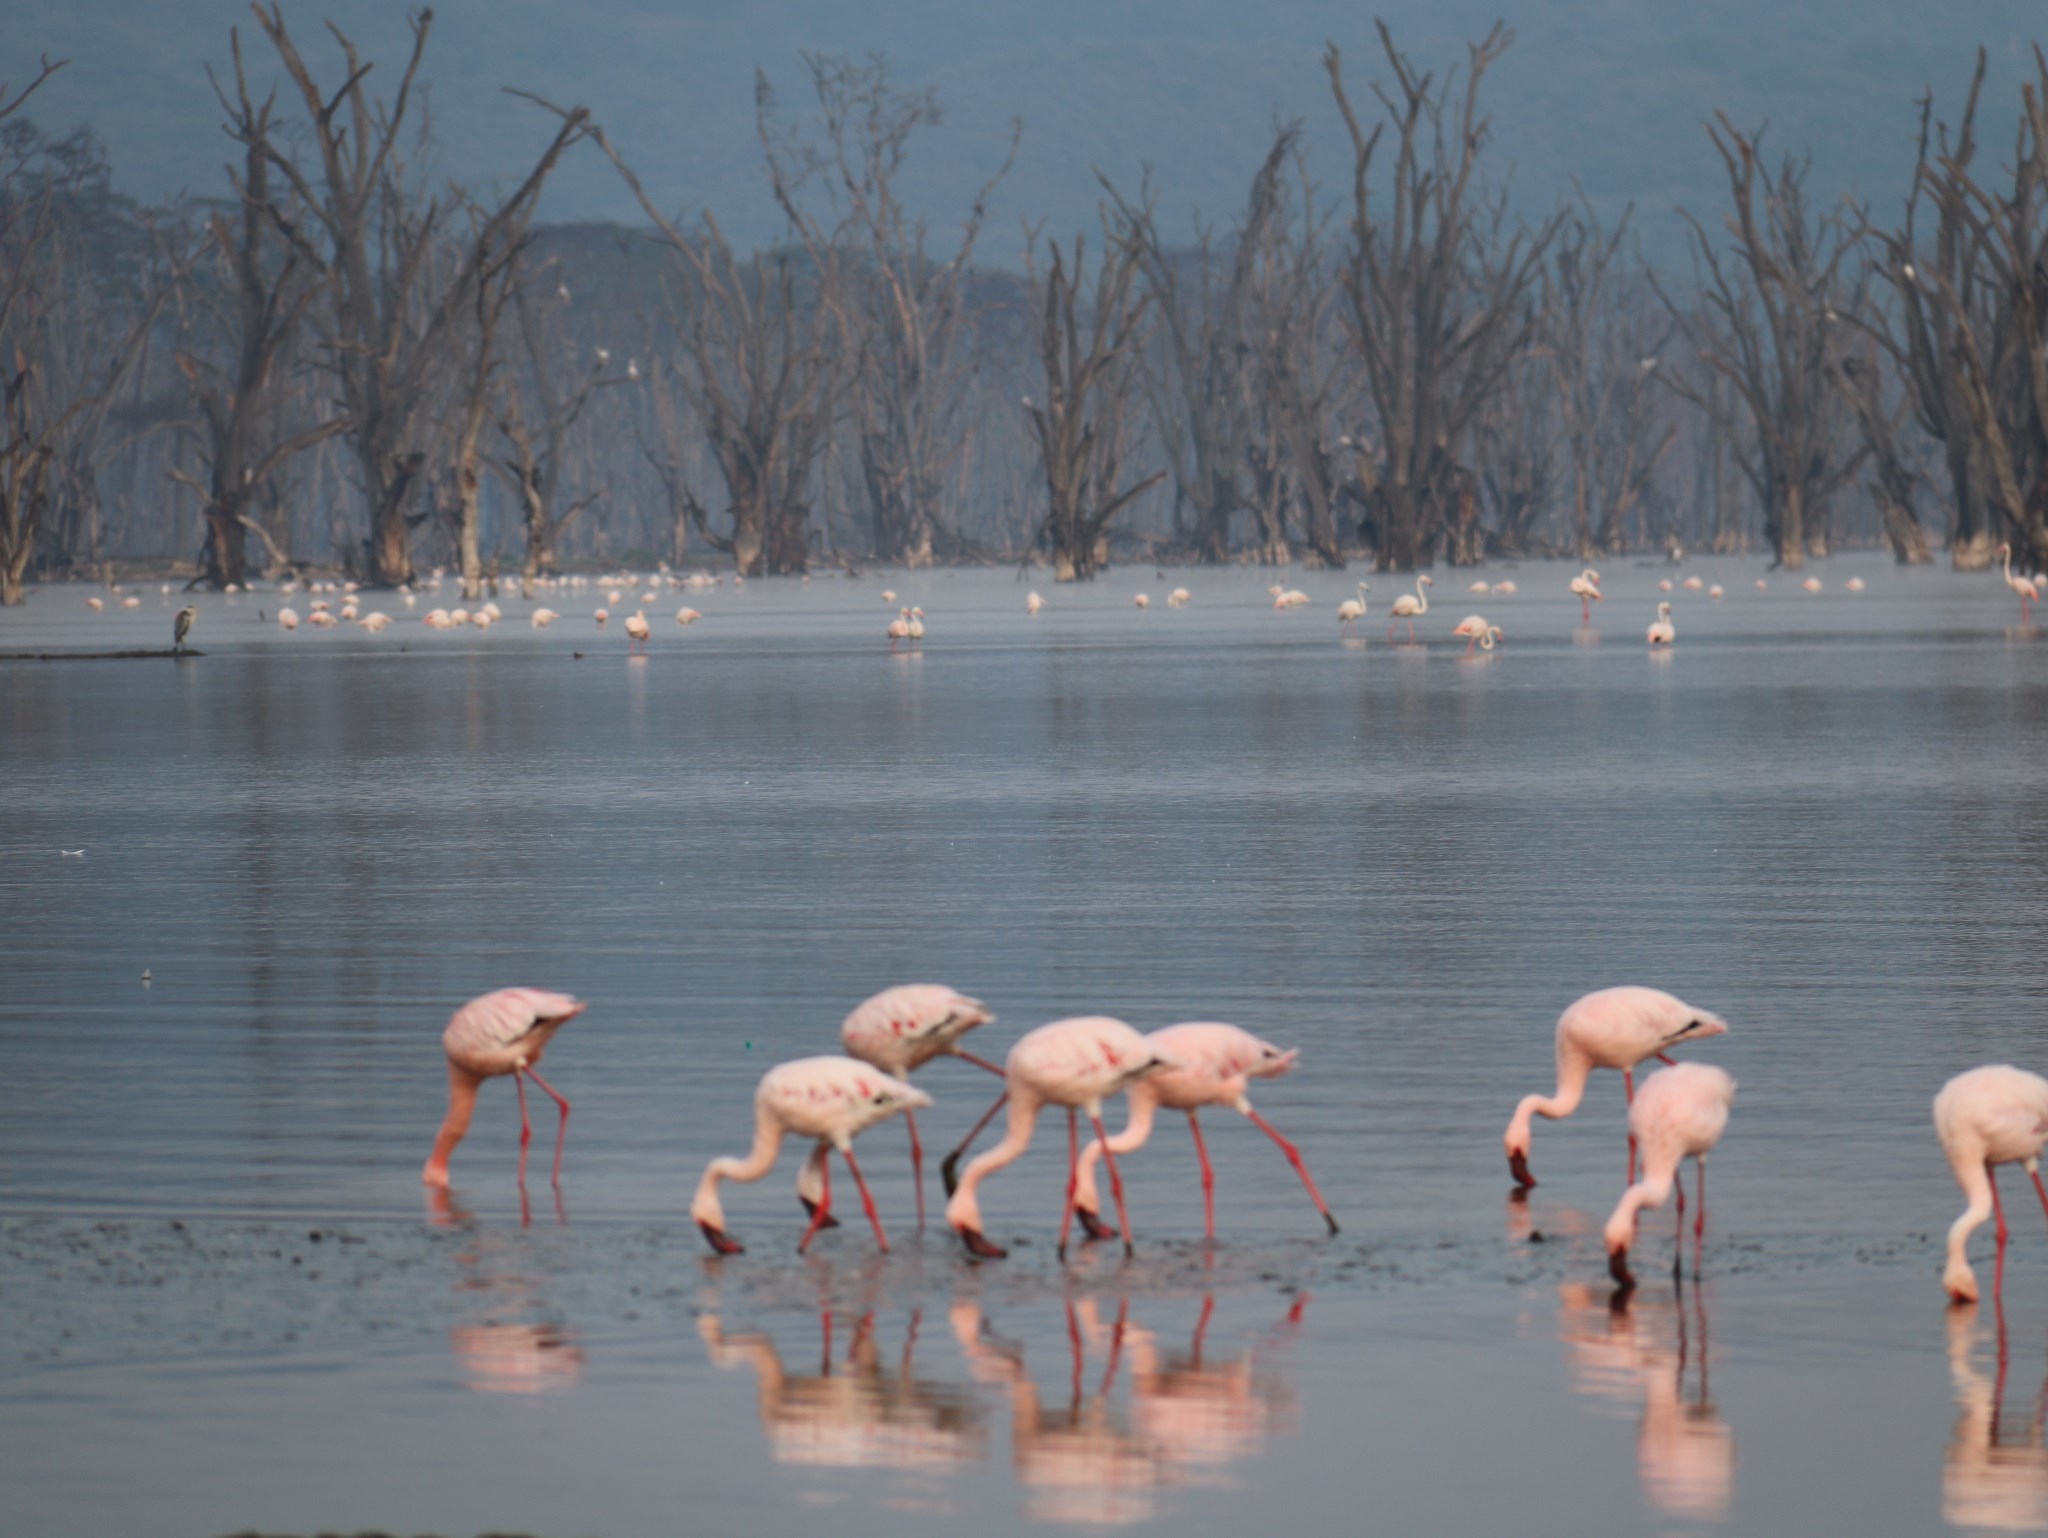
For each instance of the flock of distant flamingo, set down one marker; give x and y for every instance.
(1985, 1117)
(909, 624)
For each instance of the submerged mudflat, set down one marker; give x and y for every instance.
(1815, 815)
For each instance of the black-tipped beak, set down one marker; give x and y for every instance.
(1518, 1166)
(979, 1247)
(1617, 1267)
(1092, 1224)
(811, 1211)
(721, 1245)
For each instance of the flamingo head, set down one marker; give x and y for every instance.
(1425, 580)
(1617, 1264)
(1960, 1281)
(1273, 1062)
(2003, 550)
(1698, 1023)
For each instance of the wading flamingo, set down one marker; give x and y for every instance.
(1613, 1028)
(1410, 606)
(542, 618)
(637, 631)
(899, 1030)
(1072, 1063)
(1680, 1114)
(1478, 632)
(1216, 1066)
(916, 630)
(499, 1033)
(2023, 586)
(899, 628)
(1178, 598)
(1033, 603)
(1662, 632)
(288, 618)
(1352, 610)
(1142, 601)
(832, 1099)
(1586, 588)
(1987, 1116)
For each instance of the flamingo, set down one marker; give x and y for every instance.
(1613, 1028)
(2023, 586)
(1504, 587)
(1680, 1114)
(1716, 592)
(687, 616)
(899, 628)
(1479, 632)
(375, 621)
(601, 615)
(131, 602)
(899, 1030)
(1662, 632)
(1479, 587)
(1855, 584)
(1411, 605)
(1289, 598)
(1033, 603)
(1216, 1066)
(542, 618)
(1143, 601)
(832, 1099)
(1178, 598)
(1987, 1116)
(1693, 584)
(1072, 1063)
(1811, 584)
(1586, 587)
(637, 631)
(1664, 586)
(95, 604)
(916, 629)
(489, 1037)
(888, 595)
(1352, 610)
(287, 618)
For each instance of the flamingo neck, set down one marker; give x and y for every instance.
(1421, 599)
(1651, 1191)
(1144, 1103)
(1975, 1180)
(964, 1210)
(768, 1132)
(1572, 1070)
(462, 1088)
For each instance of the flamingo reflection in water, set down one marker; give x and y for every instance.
(857, 1413)
(1996, 1473)
(1628, 1349)
(1189, 1416)
(501, 1352)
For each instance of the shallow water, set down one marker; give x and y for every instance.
(1816, 816)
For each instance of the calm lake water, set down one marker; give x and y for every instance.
(229, 1306)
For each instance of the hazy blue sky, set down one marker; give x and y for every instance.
(1611, 93)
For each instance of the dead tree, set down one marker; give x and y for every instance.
(1769, 319)
(1436, 291)
(535, 416)
(1202, 299)
(900, 313)
(1089, 336)
(392, 314)
(1970, 324)
(255, 307)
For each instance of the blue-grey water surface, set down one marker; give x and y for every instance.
(1818, 815)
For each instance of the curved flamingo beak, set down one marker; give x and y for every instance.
(979, 1247)
(1092, 1224)
(811, 1211)
(1518, 1166)
(1617, 1267)
(721, 1245)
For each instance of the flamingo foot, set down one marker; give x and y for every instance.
(1617, 1267)
(979, 1247)
(1093, 1226)
(811, 1211)
(1330, 1218)
(1518, 1166)
(721, 1245)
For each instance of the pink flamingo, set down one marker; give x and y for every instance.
(1478, 632)
(832, 1099)
(899, 1030)
(1411, 606)
(1072, 1063)
(1680, 1114)
(1217, 1064)
(500, 1033)
(1586, 587)
(1987, 1116)
(2024, 587)
(1613, 1028)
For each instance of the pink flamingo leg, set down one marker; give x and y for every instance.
(916, 1166)
(824, 1205)
(1699, 1222)
(561, 1131)
(981, 1062)
(1998, 1208)
(949, 1167)
(525, 1126)
(1294, 1158)
(1208, 1180)
(1116, 1182)
(867, 1201)
(1073, 1183)
(1628, 1092)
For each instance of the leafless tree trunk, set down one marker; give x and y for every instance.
(392, 314)
(1436, 291)
(1088, 341)
(1770, 318)
(263, 298)
(901, 314)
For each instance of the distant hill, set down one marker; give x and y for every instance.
(1612, 92)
